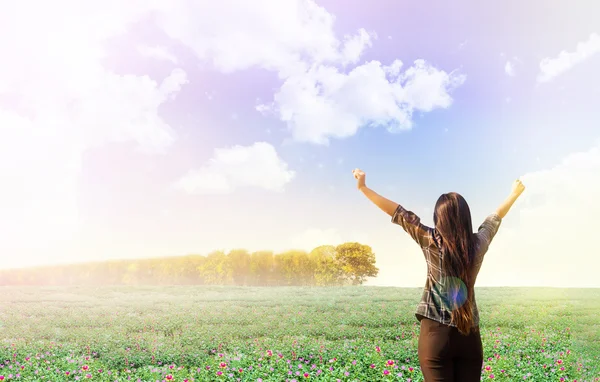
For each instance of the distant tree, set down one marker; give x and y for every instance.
(304, 268)
(357, 262)
(261, 268)
(350, 263)
(130, 276)
(216, 269)
(239, 260)
(284, 268)
(327, 271)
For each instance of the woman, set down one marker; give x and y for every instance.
(450, 346)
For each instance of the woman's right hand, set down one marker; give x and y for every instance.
(518, 187)
(359, 175)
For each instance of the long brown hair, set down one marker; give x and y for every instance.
(452, 219)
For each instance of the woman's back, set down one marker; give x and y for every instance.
(450, 347)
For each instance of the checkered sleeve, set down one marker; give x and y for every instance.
(488, 229)
(412, 225)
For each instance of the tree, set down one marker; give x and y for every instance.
(216, 269)
(261, 268)
(327, 271)
(239, 260)
(357, 262)
(284, 268)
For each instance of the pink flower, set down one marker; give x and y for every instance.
(488, 368)
(169, 377)
(219, 373)
(491, 376)
(377, 349)
(306, 375)
(222, 365)
(269, 353)
(372, 366)
(386, 372)
(390, 362)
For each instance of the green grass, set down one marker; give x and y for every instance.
(153, 333)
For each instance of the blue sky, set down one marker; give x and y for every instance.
(112, 127)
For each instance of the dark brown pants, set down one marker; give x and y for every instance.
(446, 355)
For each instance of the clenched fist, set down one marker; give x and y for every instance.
(359, 175)
(518, 187)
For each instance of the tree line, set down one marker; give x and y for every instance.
(346, 264)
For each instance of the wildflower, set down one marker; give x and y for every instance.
(222, 365)
(269, 353)
(306, 375)
(372, 366)
(390, 362)
(219, 373)
(492, 376)
(386, 372)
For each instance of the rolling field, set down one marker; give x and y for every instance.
(180, 333)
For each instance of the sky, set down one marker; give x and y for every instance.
(170, 127)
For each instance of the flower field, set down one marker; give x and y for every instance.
(199, 333)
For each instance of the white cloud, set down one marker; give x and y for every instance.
(509, 69)
(324, 103)
(315, 237)
(57, 101)
(552, 67)
(548, 236)
(257, 165)
(280, 35)
(295, 38)
(157, 52)
(354, 46)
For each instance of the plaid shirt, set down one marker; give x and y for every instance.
(433, 304)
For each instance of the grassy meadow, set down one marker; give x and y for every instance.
(201, 333)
